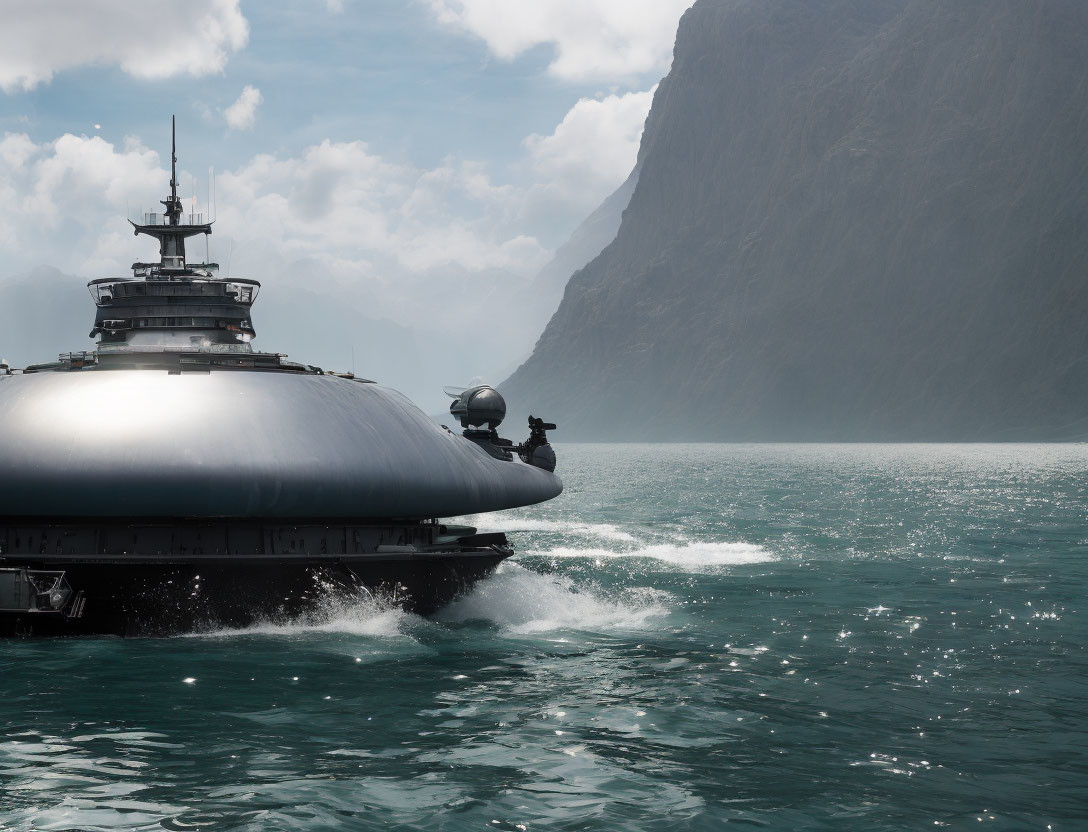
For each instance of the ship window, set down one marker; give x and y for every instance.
(101, 292)
(176, 322)
(243, 292)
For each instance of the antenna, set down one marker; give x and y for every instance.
(173, 159)
(173, 204)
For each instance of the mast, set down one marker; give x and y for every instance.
(173, 208)
(171, 233)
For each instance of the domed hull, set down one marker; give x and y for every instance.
(236, 443)
(139, 501)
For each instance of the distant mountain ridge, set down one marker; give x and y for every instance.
(585, 243)
(854, 220)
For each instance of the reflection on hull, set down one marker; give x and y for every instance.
(241, 443)
(151, 599)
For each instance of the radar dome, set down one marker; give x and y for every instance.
(479, 406)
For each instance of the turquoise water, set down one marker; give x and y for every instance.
(789, 637)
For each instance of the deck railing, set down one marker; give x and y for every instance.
(158, 218)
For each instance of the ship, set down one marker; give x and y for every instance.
(174, 478)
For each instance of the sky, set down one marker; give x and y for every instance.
(411, 156)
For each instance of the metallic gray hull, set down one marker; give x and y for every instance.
(239, 443)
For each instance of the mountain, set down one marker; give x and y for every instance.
(588, 240)
(536, 302)
(854, 220)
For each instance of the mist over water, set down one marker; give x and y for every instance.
(821, 637)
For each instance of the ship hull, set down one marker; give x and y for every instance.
(126, 444)
(165, 597)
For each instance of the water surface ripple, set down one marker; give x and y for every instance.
(789, 637)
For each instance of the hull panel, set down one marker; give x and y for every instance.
(163, 598)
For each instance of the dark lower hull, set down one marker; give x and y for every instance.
(149, 598)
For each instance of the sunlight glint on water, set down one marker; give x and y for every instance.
(849, 637)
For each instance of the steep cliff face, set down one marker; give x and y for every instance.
(537, 302)
(588, 240)
(854, 220)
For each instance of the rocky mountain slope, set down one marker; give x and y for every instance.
(854, 220)
(588, 240)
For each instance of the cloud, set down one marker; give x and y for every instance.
(402, 228)
(16, 148)
(594, 148)
(341, 200)
(242, 113)
(594, 40)
(62, 197)
(440, 246)
(146, 40)
(336, 203)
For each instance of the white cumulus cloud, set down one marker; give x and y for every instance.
(242, 113)
(402, 226)
(341, 200)
(76, 182)
(594, 40)
(594, 148)
(149, 40)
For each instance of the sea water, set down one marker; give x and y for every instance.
(787, 637)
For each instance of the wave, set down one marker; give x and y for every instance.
(688, 554)
(523, 601)
(518, 599)
(358, 616)
(606, 531)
